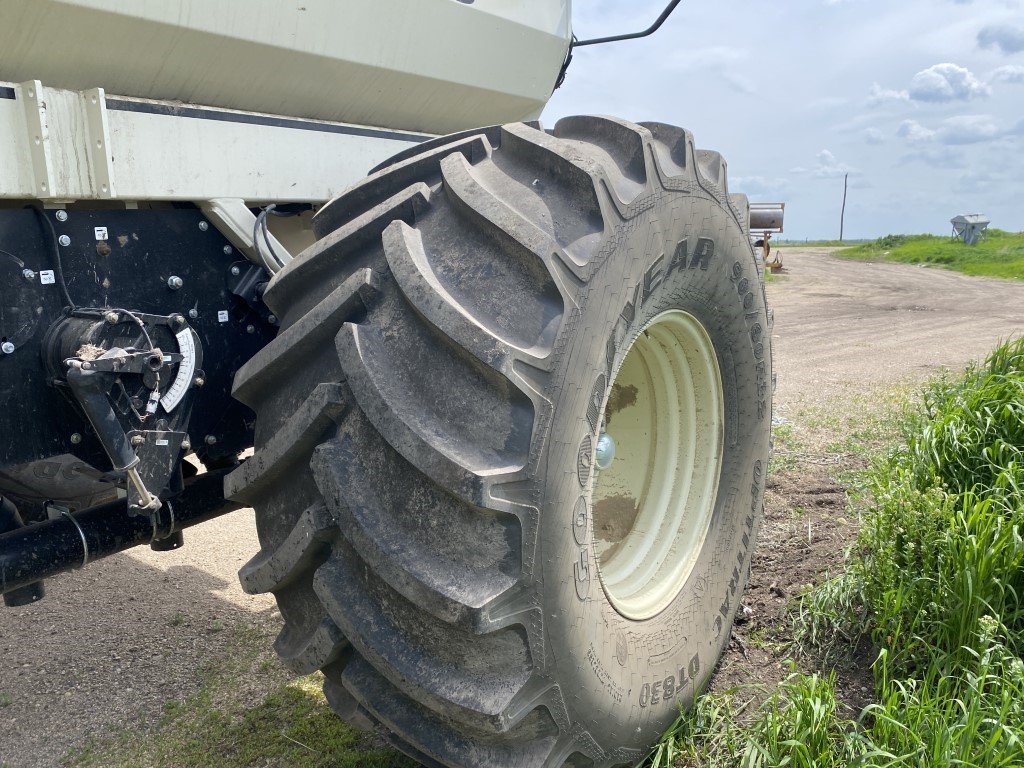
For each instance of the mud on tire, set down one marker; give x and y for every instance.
(473, 318)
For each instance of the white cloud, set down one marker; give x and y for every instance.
(936, 156)
(969, 129)
(1011, 73)
(946, 82)
(1006, 38)
(873, 136)
(958, 130)
(913, 131)
(879, 95)
(829, 167)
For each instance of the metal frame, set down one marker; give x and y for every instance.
(763, 225)
(72, 146)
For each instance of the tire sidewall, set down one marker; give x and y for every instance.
(624, 680)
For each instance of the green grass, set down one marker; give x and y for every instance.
(290, 726)
(801, 725)
(1000, 254)
(933, 584)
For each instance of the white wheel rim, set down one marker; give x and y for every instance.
(653, 504)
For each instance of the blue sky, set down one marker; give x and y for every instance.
(920, 101)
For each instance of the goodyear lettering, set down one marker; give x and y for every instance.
(580, 515)
(653, 276)
(756, 331)
(582, 570)
(579, 521)
(594, 406)
(656, 274)
(584, 460)
(702, 253)
(628, 312)
(678, 258)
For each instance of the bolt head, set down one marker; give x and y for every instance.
(174, 282)
(62, 215)
(7, 347)
(227, 249)
(250, 329)
(210, 440)
(199, 381)
(186, 445)
(64, 240)
(112, 317)
(76, 438)
(28, 274)
(179, 320)
(138, 440)
(236, 271)
(272, 319)
(203, 226)
(193, 313)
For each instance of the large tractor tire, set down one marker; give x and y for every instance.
(479, 325)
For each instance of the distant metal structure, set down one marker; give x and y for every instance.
(766, 220)
(970, 227)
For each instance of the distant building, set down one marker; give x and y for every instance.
(969, 227)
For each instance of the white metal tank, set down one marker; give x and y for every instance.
(424, 65)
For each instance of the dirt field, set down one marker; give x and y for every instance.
(108, 646)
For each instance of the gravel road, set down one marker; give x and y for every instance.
(109, 645)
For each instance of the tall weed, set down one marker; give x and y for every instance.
(936, 578)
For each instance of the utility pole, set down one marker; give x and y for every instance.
(842, 214)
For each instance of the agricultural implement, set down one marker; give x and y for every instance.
(508, 396)
(765, 221)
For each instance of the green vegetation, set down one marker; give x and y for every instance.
(1000, 254)
(933, 585)
(290, 726)
(799, 725)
